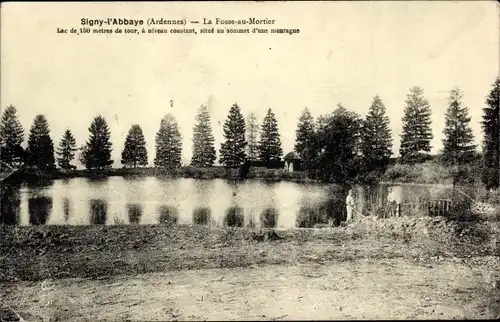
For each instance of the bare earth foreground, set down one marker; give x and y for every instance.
(402, 268)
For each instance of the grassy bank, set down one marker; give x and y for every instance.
(37, 253)
(431, 172)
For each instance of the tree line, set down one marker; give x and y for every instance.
(339, 146)
(96, 152)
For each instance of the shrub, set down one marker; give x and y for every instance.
(427, 172)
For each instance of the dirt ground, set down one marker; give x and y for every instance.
(186, 273)
(361, 289)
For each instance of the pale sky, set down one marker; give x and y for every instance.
(346, 52)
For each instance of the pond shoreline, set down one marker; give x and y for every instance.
(221, 172)
(188, 172)
(216, 172)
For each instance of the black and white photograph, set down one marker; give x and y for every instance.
(253, 160)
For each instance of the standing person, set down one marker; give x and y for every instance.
(394, 199)
(390, 202)
(349, 202)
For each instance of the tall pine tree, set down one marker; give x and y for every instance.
(97, 150)
(11, 136)
(270, 143)
(417, 134)
(134, 153)
(491, 139)
(376, 140)
(252, 128)
(458, 144)
(204, 153)
(168, 144)
(232, 150)
(305, 134)
(82, 155)
(305, 138)
(66, 150)
(40, 149)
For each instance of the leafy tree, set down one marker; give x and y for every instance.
(338, 138)
(252, 137)
(232, 151)
(134, 152)
(40, 149)
(97, 150)
(458, 146)
(376, 141)
(491, 139)
(11, 135)
(417, 133)
(204, 153)
(168, 144)
(66, 150)
(270, 143)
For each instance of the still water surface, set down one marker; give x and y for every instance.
(150, 200)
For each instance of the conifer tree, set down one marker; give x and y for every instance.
(458, 146)
(305, 139)
(252, 137)
(40, 149)
(417, 133)
(376, 141)
(204, 153)
(491, 138)
(11, 135)
(134, 153)
(82, 154)
(232, 150)
(97, 150)
(168, 144)
(270, 143)
(66, 150)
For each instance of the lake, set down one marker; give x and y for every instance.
(151, 200)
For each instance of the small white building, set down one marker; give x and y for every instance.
(291, 159)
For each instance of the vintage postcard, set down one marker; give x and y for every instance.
(270, 160)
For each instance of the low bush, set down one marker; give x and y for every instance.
(427, 172)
